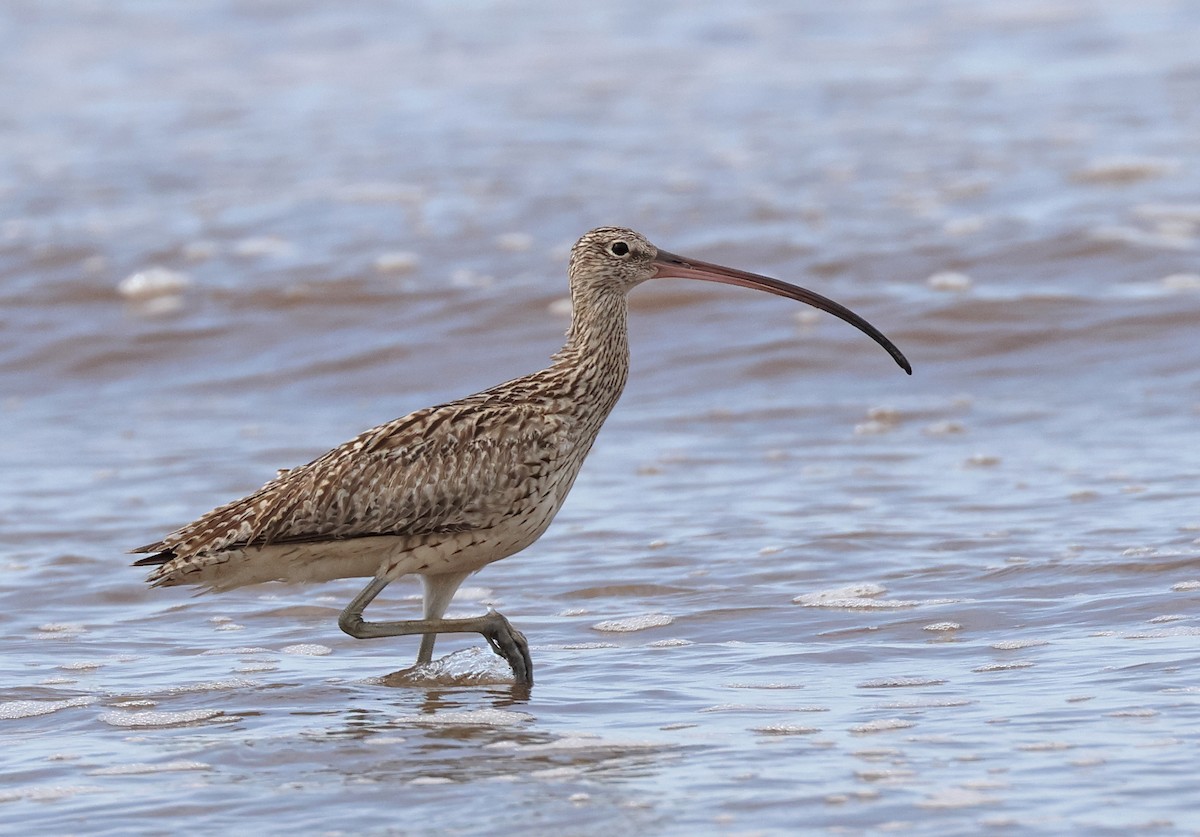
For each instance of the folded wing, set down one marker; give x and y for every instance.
(455, 467)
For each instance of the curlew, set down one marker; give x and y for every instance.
(447, 490)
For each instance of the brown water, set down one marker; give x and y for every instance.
(793, 588)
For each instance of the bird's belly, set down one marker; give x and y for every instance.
(389, 555)
(473, 550)
(297, 563)
(469, 551)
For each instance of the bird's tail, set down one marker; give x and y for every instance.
(159, 557)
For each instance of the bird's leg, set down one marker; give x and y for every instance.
(439, 590)
(505, 640)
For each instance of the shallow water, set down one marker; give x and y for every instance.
(793, 588)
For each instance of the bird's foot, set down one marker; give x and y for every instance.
(510, 644)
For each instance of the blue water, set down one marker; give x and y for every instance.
(963, 602)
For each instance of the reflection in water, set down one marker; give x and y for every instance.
(447, 741)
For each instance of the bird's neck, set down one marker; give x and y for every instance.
(596, 355)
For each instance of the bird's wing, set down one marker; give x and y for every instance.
(457, 467)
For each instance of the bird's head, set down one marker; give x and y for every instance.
(616, 259)
(611, 259)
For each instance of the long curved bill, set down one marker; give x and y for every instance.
(672, 266)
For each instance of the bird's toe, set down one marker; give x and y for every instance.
(511, 644)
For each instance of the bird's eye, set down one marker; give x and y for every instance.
(619, 248)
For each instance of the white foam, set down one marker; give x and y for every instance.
(949, 280)
(1002, 667)
(383, 740)
(62, 628)
(153, 282)
(853, 591)
(1134, 713)
(14, 709)
(467, 718)
(942, 626)
(1014, 644)
(82, 665)
(634, 623)
(927, 703)
(899, 683)
(882, 725)
(207, 686)
(750, 707)
(853, 597)
(785, 729)
(47, 793)
(307, 649)
(583, 741)
(136, 768)
(895, 775)
(150, 718)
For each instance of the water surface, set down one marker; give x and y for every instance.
(793, 587)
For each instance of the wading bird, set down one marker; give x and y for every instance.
(447, 490)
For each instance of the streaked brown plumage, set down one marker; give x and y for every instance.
(447, 490)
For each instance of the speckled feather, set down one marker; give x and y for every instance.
(450, 468)
(472, 465)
